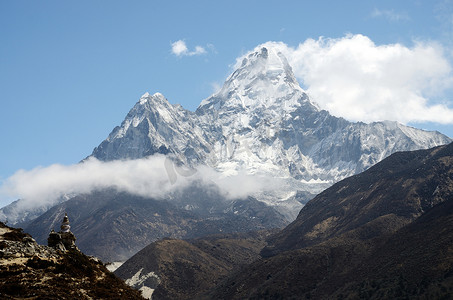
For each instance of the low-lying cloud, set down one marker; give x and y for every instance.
(354, 78)
(155, 176)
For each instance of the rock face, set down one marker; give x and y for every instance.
(32, 271)
(151, 126)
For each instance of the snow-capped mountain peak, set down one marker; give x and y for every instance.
(268, 63)
(262, 122)
(148, 97)
(264, 80)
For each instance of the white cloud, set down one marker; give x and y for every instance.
(44, 185)
(155, 176)
(353, 78)
(390, 15)
(179, 48)
(198, 50)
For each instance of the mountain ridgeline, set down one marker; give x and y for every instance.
(262, 122)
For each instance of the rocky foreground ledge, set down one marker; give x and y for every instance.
(32, 271)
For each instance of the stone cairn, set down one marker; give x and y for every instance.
(64, 239)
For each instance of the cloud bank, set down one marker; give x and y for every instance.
(155, 176)
(354, 78)
(179, 48)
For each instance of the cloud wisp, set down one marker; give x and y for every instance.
(179, 48)
(354, 78)
(390, 15)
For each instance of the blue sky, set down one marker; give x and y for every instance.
(71, 70)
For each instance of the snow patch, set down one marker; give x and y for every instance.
(114, 265)
(316, 181)
(138, 281)
(146, 292)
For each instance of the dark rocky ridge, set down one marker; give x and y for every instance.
(32, 271)
(115, 225)
(378, 201)
(416, 262)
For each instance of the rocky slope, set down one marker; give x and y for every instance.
(32, 271)
(416, 262)
(184, 269)
(378, 201)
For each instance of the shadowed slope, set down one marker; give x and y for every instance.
(378, 201)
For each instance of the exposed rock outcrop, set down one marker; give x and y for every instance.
(32, 271)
